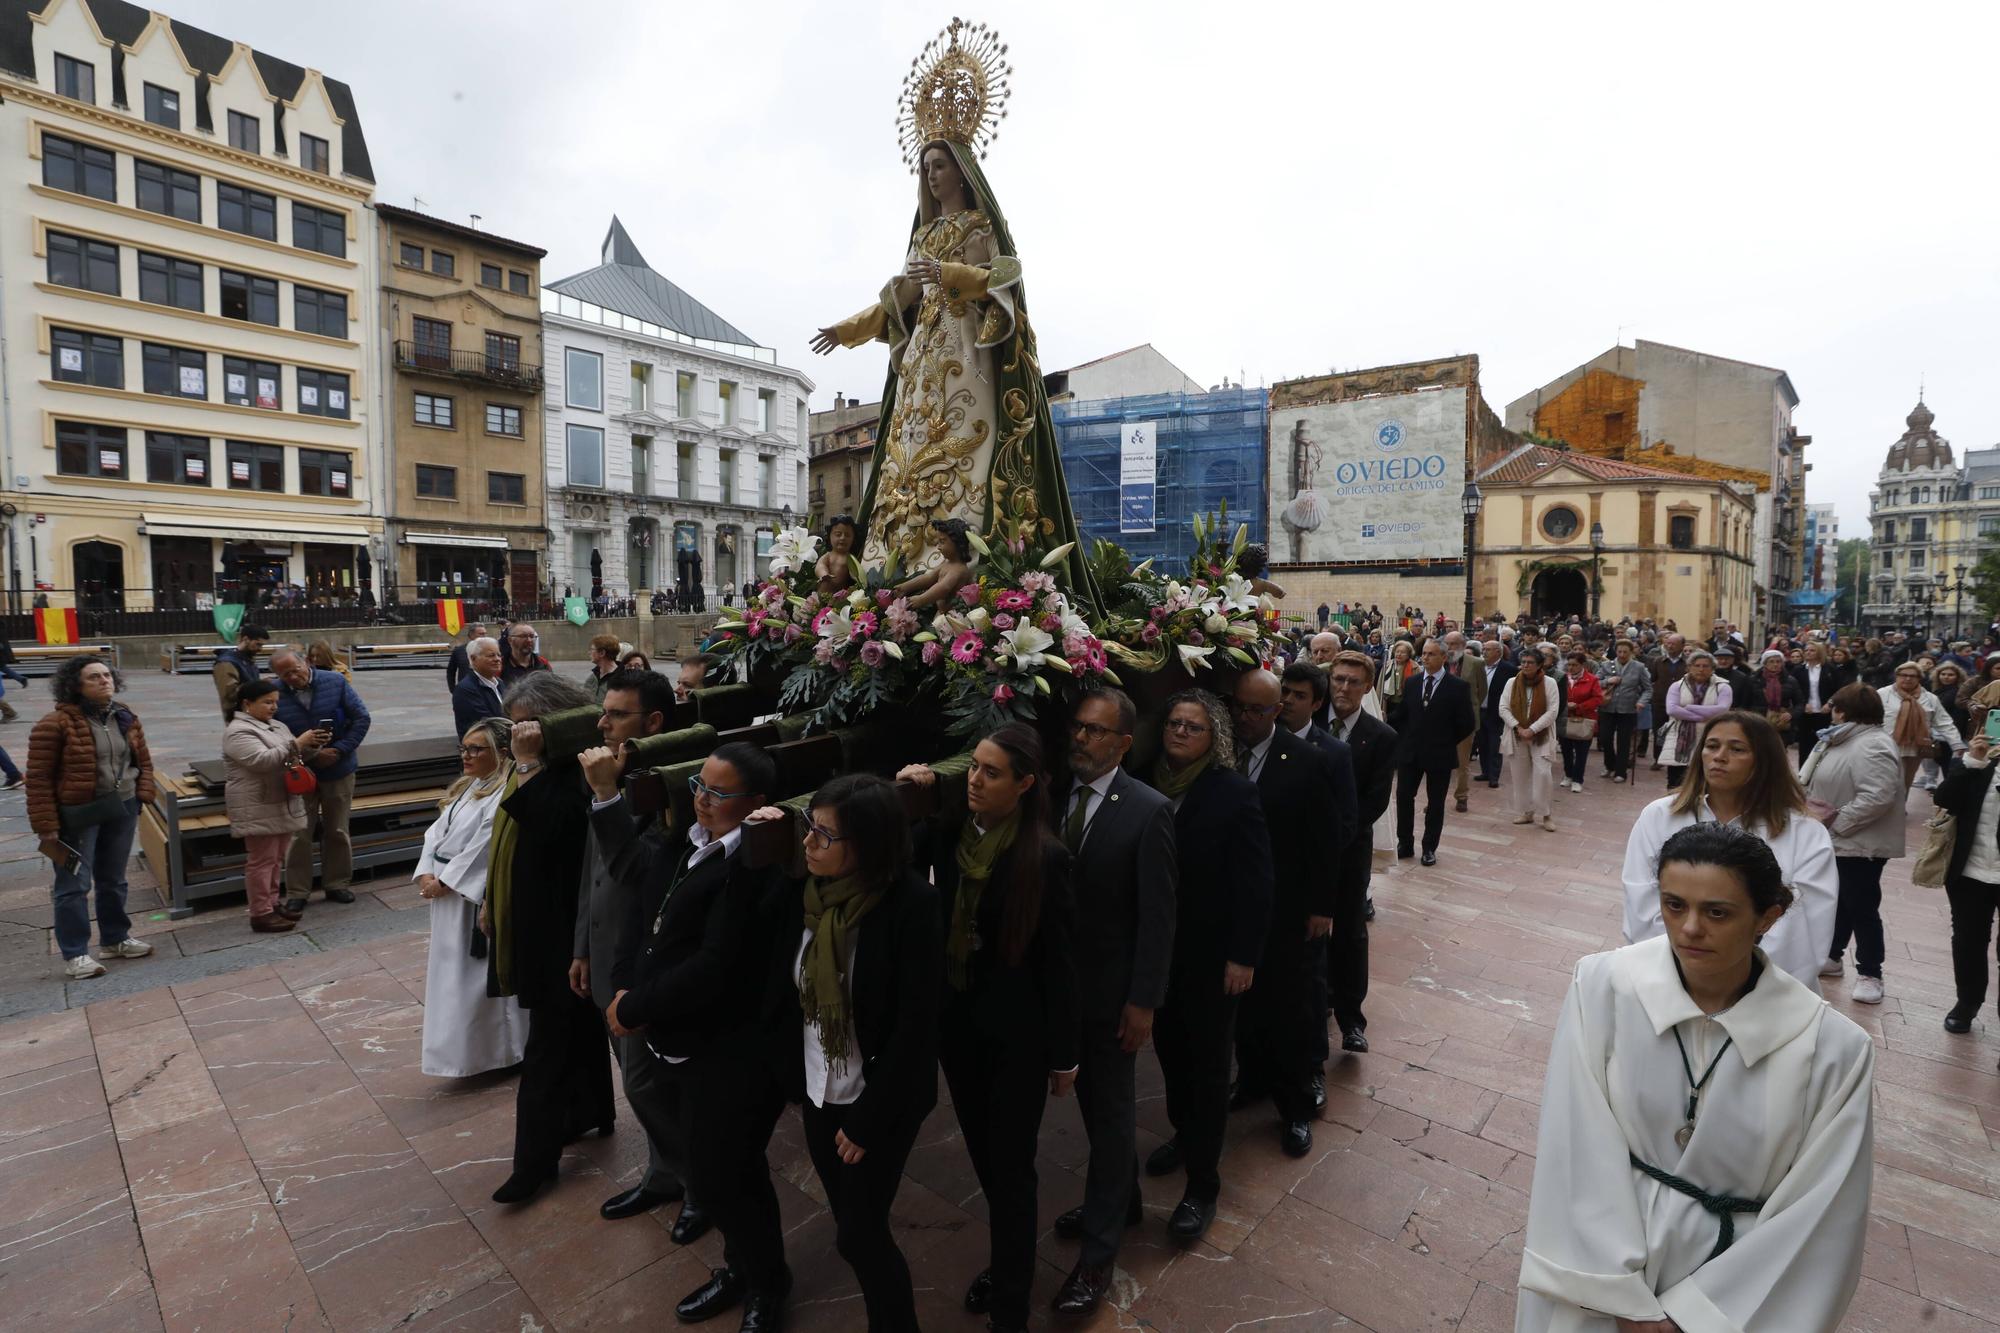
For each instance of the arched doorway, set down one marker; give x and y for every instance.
(100, 576)
(1563, 591)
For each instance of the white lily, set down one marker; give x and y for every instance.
(858, 599)
(892, 648)
(838, 627)
(1027, 645)
(794, 548)
(1236, 594)
(977, 543)
(1055, 557)
(1193, 655)
(978, 619)
(1055, 663)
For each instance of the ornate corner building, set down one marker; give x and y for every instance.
(1929, 519)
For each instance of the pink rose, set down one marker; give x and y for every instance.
(1149, 634)
(1002, 694)
(793, 634)
(872, 654)
(967, 647)
(884, 596)
(823, 653)
(969, 594)
(1195, 637)
(1159, 613)
(1052, 623)
(1003, 622)
(932, 652)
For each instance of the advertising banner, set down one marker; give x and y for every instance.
(1138, 473)
(1370, 479)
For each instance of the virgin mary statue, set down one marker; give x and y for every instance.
(965, 430)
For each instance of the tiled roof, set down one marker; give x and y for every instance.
(410, 215)
(1532, 460)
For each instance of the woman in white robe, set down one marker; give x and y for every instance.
(1694, 1055)
(1529, 705)
(466, 1031)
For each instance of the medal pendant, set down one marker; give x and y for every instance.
(1683, 1134)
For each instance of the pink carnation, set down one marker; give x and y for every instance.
(1052, 623)
(1038, 581)
(1002, 693)
(872, 653)
(823, 653)
(967, 647)
(932, 652)
(969, 594)
(1014, 600)
(1003, 622)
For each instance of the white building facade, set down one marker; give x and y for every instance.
(674, 443)
(1923, 526)
(189, 280)
(1822, 547)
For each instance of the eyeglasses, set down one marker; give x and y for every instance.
(1181, 727)
(825, 836)
(1090, 731)
(467, 751)
(623, 712)
(700, 789)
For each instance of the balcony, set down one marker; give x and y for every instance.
(424, 359)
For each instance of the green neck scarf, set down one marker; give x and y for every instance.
(506, 837)
(832, 909)
(977, 856)
(1174, 784)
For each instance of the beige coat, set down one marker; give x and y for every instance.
(1860, 774)
(255, 793)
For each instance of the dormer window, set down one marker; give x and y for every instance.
(76, 78)
(163, 106)
(314, 154)
(245, 133)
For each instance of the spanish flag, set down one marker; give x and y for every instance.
(55, 625)
(451, 614)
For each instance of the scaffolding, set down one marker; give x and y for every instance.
(1210, 451)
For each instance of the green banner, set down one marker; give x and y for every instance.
(576, 610)
(228, 619)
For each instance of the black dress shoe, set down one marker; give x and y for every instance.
(1405, 853)
(1428, 858)
(603, 1131)
(1959, 1020)
(1354, 1039)
(690, 1226)
(1165, 1159)
(763, 1312)
(1319, 1089)
(1241, 1096)
(1191, 1218)
(1069, 1226)
(340, 895)
(631, 1203)
(293, 908)
(523, 1186)
(722, 1291)
(979, 1296)
(1083, 1290)
(1296, 1138)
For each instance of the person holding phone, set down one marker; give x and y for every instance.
(263, 811)
(1972, 879)
(317, 700)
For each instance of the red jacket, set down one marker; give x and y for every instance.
(1585, 695)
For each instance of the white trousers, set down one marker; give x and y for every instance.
(1530, 776)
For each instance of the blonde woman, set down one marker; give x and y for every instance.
(1529, 706)
(1402, 662)
(465, 1031)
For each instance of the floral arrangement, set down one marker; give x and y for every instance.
(1215, 616)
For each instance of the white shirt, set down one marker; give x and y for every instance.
(1800, 941)
(1305, 733)
(1256, 755)
(1982, 862)
(1813, 705)
(824, 1083)
(1098, 787)
(1430, 684)
(1345, 725)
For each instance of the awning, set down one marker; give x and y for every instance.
(175, 525)
(452, 539)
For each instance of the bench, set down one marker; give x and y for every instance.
(42, 659)
(362, 656)
(182, 659)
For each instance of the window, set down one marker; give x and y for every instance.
(517, 282)
(245, 132)
(179, 372)
(444, 263)
(256, 467)
(437, 483)
(323, 230)
(86, 358)
(642, 456)
(89, 451)
(489, 275)
(76, 78)
(583, 373)
(641, 382)
(1989, 525)
(314, 154)
(177, 460)
(1560, 523)
(323, 393)
(163, 189)
(167, 281)
(767, 402)
(1916, 560)
(249, 298)
(1889, 530)
(315, 311)
(725, 466)
(847, 483)
(586, 456)
(725, 403)
(79, 168)
(503, 354)
(430, 409)
(506, 488)
(410, 256)
(251, 383)
(503, 420)
(1989, 492)
(684, 387)
(323, 473)
(246, 212)
(767, 481)
(1919, 529)
(433, 339)
(684, 472)
(75, 262)
(1680, 532)
(163, 106)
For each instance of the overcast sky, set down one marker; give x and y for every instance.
(1259, 190)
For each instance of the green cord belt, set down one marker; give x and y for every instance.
(1725, 1206)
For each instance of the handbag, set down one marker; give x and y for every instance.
(1579, 728)
(300, 780)
(106, 809)
(1940, 833)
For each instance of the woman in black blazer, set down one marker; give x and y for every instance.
(1972, 881)
(1008, 1022)
(852, 1012)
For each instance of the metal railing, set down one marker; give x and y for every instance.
(103, 612)
(510, 372)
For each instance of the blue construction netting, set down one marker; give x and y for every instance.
(1210, 450)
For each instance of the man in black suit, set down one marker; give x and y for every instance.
(1433, 715)
(1494, 675)
(1307, 792)
(1371, 746)
(1223, 918)
(456, 665)
(477, 693)
(696, 998)
(1121, 833)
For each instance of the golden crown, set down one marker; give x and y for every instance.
(956, 90)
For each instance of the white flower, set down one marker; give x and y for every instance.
(1074, 625)
(1217, 623)
(1193, 655)
(794, 548)
(838, 627)
(1027, 645)
(858, 599)
(1236, 595)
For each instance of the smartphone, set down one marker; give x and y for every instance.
(1993, 725)
(324, 724)
(75, 858)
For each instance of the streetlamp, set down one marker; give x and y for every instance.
(1957, 600)
(1470, 503)
(1596, 569)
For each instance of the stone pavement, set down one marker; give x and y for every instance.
(258, 1149)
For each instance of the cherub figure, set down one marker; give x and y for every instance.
(954, 572)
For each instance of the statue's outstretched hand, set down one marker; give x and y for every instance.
(825, 341)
